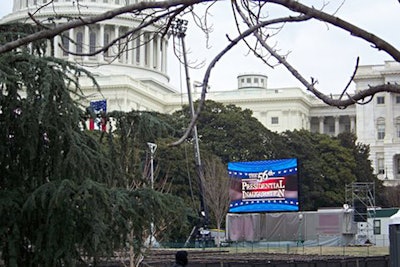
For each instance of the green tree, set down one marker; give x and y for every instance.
(128, 149)
(325, 167)
(233, 133)
(58, 196)
(363, 169)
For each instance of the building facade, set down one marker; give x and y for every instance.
(133, 75)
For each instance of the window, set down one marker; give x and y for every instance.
(380, 100)
(397, 99)
(398, 165)
(331, 128)
(274, 120)
(248, 80)
(65, 43)
(79, 42)
(398, 127)
(92, 42)
(381, 128)
(377, 227)
(106, 42)
(255, 80)
(381, 165)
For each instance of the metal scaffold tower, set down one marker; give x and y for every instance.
(361, 197)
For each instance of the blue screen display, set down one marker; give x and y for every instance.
(263, 186)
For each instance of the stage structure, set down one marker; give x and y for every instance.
(264, 207)
(325, 227)
(361, 196)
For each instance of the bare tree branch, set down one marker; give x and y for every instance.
(141, 6)
(340, 103)
(249, 11)
(217, 58)
(375, 41)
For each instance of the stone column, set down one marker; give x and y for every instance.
(135, 49)
(141, 49)
(102, 42)
(130, 39)
(389, 120)
(337, 130)
(72, 46)
(151, 51)
(321, 124)
(353, 124)
(116, 46)
(56, 41)
(165, 56)
(158, 53)
(86, 42)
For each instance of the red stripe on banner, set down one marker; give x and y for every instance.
(91, 124)
(103, 124)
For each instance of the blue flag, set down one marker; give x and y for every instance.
(99, 106)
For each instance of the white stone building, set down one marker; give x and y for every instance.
(138, 79)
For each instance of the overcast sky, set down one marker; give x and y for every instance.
(316, 49)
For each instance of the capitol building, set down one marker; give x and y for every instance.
(133, 75)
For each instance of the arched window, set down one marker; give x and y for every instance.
(380, 126)
(92, 42)
(79, 42)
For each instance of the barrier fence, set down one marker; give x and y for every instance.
(286, 248)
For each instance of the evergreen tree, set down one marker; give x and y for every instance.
(59, 202)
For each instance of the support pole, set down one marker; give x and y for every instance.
(179, 29)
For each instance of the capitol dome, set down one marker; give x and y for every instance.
(141, 55)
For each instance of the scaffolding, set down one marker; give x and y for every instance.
(361, 197)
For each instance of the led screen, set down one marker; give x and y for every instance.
(263, 186)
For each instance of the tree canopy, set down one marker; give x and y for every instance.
(61, 197)
(233, 133)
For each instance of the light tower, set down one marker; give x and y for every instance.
(178, 29)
